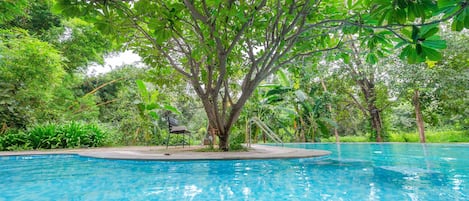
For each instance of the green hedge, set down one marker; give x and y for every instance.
(446, 136)
(52, 136)
(432, 136)
(348, 139)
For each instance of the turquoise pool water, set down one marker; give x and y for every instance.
(352, 172)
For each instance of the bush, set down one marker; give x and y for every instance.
(351, 138)
(235, 146)
(432, 136)
(51, 136)
(15, 140)
(448, 136)
(403, 137)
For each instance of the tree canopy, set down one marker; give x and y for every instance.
(224, 49)
(30, 69)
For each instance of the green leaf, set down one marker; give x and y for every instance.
(273, 99)
(380, 53)
(435, 44)
(405, 52)
(431, 54)
(385, 15)
(407, 32)
(411, 54)
(448, 11)
(458, 23)
(142, 89)
(323, 127)
(141, 107)
(401, 15)
(154, 115)
(466, 19)
(432, 31)
(283, 78)
(152, 106)
(400, 44)
(402, 3)
(415, 33)
(154, 96)
(446, 3)
(345, 57)
(171, 109)
(371, 58)
(418, 49)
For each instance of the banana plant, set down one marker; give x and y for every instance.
(149, 103)
(309, 113)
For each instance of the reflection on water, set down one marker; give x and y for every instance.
(352, 172)
(406, 171)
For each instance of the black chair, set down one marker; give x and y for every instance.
(175, 128)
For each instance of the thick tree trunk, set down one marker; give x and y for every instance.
(376, 122)
(222, 118)
(223, 141)
(336, 132)
(329, 107)
(301, 125)
(366, 82)
(418, 115)
(368, 89)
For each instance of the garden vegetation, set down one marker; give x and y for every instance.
(313, 71)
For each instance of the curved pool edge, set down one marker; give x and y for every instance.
(256, 152)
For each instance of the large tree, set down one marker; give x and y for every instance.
(30, 70)
(210, 41)
(368, 78)
(437, 90)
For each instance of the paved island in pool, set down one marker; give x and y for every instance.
(179, 153)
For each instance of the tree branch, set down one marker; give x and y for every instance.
(195, 13)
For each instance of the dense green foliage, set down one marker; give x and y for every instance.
(30, 71)
(52, 136)
(436, 136)
(309, 71)
(225, 49)
(433, 136)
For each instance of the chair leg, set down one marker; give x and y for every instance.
(167, 140)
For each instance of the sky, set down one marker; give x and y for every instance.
(114, 61)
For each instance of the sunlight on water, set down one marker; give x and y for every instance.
(352, 172)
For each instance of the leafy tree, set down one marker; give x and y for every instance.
(211, 43)
(37, 18)
(297, 94)
(10, 9)
(453, 79)
(436, 89)
(369, 76)
(29, 71)
(80, 43)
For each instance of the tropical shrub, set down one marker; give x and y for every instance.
(52, 136)
(13, 140)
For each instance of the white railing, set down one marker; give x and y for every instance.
(265, 129)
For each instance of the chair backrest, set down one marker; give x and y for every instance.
(172, 122)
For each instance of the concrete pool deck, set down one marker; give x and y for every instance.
(179, 153)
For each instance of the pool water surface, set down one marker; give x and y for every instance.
(351, 172)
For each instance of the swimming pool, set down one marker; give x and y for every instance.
(352, 172)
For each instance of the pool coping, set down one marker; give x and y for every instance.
(180, 153)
